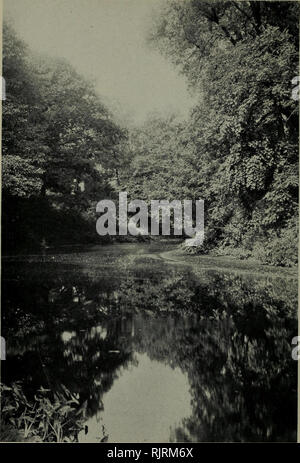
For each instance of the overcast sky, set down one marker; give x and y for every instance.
(105, 40)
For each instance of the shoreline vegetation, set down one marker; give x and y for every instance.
(158, 249)
(47, 417)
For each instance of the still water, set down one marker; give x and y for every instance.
(159, 352)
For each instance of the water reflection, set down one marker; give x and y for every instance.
(145, 403)
(156, 352)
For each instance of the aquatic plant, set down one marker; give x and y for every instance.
(44, 419)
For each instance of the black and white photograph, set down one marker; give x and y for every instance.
(149, 223)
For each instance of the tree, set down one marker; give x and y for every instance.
(61, 149)
(242, 136)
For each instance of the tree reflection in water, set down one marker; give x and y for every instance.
(229, 334)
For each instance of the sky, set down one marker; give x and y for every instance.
(105, 40)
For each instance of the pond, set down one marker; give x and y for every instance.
(159, 351)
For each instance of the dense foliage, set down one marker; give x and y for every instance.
(60, 150)
(239, 149)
